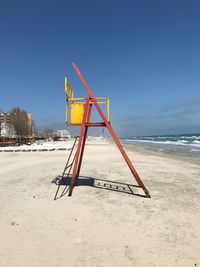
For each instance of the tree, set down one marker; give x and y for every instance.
(19, 120)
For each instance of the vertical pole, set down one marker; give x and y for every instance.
(82, 151)
(84, 140)
(74, 173)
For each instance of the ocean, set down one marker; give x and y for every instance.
(190, 142)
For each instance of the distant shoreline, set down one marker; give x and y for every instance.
(179, 153)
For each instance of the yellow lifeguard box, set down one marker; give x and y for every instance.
(75, 106)
(76, 112)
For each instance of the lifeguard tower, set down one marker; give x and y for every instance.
(78, 113)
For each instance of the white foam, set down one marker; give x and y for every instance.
(182, 141)
(176, 143)
(196, 142)
(46, 146)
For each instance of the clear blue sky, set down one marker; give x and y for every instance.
(144, 55)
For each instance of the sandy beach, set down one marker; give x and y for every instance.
(100, 225)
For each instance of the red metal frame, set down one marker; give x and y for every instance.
(83, 134)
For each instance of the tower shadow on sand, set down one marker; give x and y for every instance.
(64, 183)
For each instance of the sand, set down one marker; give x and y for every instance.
(99, 227)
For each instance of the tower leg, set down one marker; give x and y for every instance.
(82, 151)
(129, 163)
(79, 148)
(84, 140)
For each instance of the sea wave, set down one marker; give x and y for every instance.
(181, 141)
(178, 143)
(196, 142)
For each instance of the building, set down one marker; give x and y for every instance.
(63, 134)
(4, 117)
(7, 129)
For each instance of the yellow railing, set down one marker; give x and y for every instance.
(71, 101)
